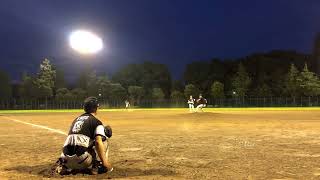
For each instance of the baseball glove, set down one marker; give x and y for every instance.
(108, 131)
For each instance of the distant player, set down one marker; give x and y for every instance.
(86, 147)
(191, 102)
(127, 104)
(201, 103)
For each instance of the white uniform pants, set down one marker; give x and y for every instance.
(191, 107)
(85, 160)
(200, 106)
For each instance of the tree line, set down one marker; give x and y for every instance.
(272, 74)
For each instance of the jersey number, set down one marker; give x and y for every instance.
(77, 126)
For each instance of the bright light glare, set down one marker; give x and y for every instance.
(85, 42)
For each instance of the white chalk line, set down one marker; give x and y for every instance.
(36, 125)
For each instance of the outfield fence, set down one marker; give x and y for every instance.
(20, 104)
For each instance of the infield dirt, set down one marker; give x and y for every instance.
(174, 144)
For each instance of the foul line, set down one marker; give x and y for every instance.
(36, 125)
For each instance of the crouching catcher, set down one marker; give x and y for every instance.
(86, 147)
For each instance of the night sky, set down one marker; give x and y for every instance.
(173, 32)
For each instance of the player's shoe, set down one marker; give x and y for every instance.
(98, 168)
(59, 168)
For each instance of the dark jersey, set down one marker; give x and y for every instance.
(202, 101)
(82, 134)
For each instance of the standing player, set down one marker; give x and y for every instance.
(127, 104)
(191, 104)
(86, 147)
(202, 102)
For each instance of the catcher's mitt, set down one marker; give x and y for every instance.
(108, 131)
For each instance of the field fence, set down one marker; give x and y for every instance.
(17, 104)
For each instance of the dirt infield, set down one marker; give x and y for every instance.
(174, 144)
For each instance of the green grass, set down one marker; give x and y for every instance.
(171, 109)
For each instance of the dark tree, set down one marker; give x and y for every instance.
(117, 92)
(135, 93)
(217, 90)
(177, 85)
(316, 55)
(130, 75)
(177, 95)
(309, 82)
(29, 89)
(5, 90)
(292, 85)
(157, 94)
(262, 91)
(83, 79)
(45, 79)
(63, 94)
(103, 86)
(148, 75)
(241, 81)
(202, 74)
(78, 93)
(191, 90)
(59, 81)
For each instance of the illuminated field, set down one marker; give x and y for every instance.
(252, 143)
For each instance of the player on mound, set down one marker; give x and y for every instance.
(86, 147)
(202, 102)
(191, 104)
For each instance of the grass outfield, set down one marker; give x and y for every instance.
(170, 109)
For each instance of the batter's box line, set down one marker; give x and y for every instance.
(36, 125)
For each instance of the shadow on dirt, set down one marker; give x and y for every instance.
(118, 172)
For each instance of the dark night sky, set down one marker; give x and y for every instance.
(173, 32)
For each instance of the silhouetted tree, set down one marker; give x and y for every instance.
(202, 74)
(117, 92)
(147, 75)
(63, 94)
(78, 94)
(45, 79)
(191, 90)
(177, 85)
(83, 79)
(263, 91)
(157, 94)
(28, 89)
(292, 85)
(5, 90)
(217, 90)
(103, 86)
(59, 81)
(241, 81)
(177, 95)
(309, 82)
(316, 55)
(135, 93)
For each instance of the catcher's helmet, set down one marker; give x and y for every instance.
(90, 104)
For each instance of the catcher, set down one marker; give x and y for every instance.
(86, 147)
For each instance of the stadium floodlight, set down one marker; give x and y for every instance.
(85, 42)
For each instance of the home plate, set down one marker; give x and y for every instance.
(129, 149)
